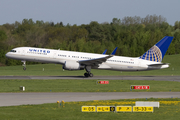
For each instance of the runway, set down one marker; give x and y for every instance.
(159, 78)
(12, 99)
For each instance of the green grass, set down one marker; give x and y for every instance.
(72, 111)
(56, 70)
(86, 86)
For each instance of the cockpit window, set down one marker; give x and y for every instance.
(13, 51)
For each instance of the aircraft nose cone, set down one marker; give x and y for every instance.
(7, 55)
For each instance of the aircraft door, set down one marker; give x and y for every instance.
(54, 55)
(139, 64)
(23, 51)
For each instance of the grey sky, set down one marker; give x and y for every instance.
(84, 11)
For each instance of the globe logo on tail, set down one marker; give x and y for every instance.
(153, 54)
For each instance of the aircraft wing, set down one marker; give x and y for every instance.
(94, 62)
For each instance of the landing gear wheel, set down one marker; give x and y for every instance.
(86, 75)
(24, 65)
(90, 75)
(24, 68)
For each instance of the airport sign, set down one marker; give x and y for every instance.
(88, 108)
(140, 87)
(143, 109)
(123, 108)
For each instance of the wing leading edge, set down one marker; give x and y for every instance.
(94, 62)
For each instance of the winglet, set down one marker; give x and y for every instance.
(105, 52)
(113, 53)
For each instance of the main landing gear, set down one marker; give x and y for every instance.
(24, 65)
(88, 72)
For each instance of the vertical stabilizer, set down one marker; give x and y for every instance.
(157, 52)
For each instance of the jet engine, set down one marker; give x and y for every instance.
(72, 65)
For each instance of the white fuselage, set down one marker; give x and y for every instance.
(60, 57)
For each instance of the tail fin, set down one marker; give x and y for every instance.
(157, 52)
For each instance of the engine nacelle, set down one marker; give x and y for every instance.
(72, 65)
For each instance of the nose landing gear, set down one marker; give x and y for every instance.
(24, 65)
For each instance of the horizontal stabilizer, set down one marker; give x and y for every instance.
(158, 64)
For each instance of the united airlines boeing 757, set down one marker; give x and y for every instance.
(150, 60)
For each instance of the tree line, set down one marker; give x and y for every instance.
(132, 35)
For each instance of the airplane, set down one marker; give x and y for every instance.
(71, 60)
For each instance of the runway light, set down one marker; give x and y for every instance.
(58, 104)
(63, 103)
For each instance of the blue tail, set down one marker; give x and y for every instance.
(157, 52)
